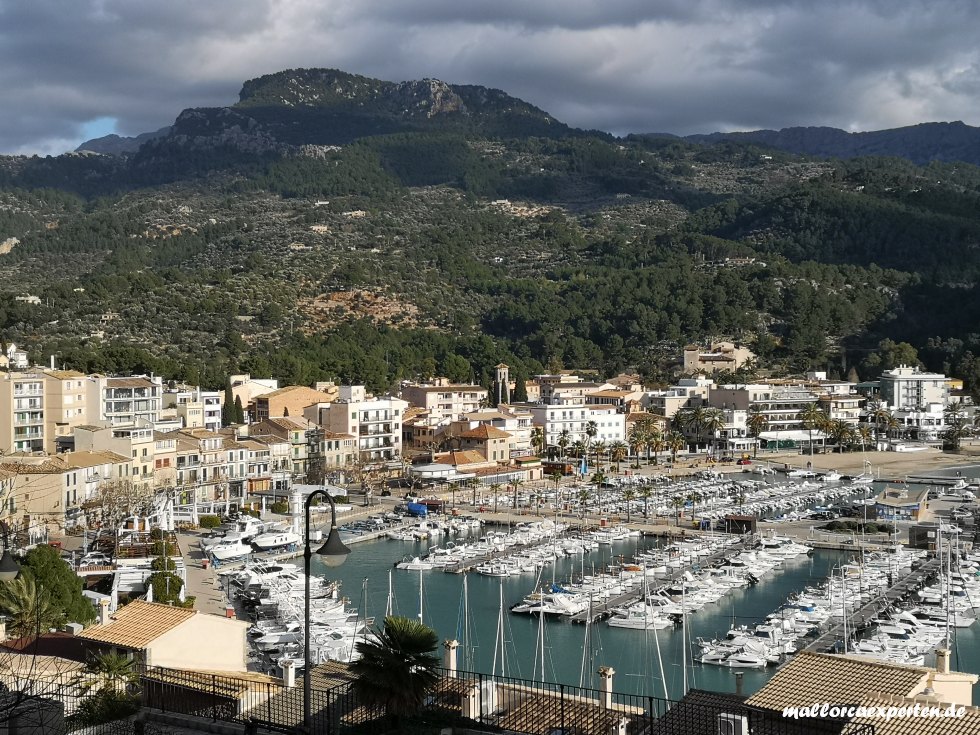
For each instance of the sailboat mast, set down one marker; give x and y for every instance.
(498, 646)
(420, 596)
(390, 604)
(684, 636)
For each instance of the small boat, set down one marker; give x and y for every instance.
(232, 550)
(275, 540)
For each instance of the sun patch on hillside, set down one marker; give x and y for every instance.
(327, 310)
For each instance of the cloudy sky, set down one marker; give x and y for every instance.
(75, 69)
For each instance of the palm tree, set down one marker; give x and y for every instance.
(495, 489)
(657, 443)
(757, 422)
(675, 442)
(564, 437)
(812, 417)
(397, 668)
(517, 483)
(842, 433)
(578, 449)
(629, 494)
(637, 439)
(864, 434)
(956, 429)
(583, 498)
(599, 448)
(617, 452)
(591, 432)
(678, 503)
(598, 479)
(646, 493)
(537, 440)
(28, 608)
(107, 672)
(691, 420)
(713, 422)
(105, 682)
(878, 414)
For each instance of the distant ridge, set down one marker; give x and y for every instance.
(933, 141)
(118, 144)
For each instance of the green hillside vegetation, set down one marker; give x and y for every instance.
(213, 250)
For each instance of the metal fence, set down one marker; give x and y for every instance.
(471, 701)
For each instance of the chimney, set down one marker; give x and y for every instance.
(606, 685)
(52, 362)
(288, 673)
(104, 611)
(942, 661)
(450, 657)
(73, 628)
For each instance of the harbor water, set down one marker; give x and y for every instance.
(573, 653)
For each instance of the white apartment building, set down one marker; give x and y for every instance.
(376, 422)
(125, 400)
(196, 408)
(574, 418)
(518, 422)
(445, 400)
(908, 388)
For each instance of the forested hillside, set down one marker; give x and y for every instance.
(487, 232)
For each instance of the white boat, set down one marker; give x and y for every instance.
(862, 479)
(832, 476)
(275, 540)
(233, 550)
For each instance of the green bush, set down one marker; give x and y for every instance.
(281, 508)
(209, 521)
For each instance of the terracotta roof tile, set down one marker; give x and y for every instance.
(485, 431)
(138, 624)
(824, 677)
(968, 724)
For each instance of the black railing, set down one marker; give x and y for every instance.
(474, 701)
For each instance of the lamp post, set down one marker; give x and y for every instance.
(9, 569)
(333, 553)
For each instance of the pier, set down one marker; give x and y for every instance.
(603, 610)
(863, 615)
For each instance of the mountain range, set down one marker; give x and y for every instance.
(328, 226)
(331, 107)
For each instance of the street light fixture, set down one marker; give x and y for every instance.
(333, 553)
(9, 569)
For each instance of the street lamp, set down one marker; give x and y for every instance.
(9, 569)
(333, 553)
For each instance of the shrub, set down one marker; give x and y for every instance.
(210, 521)
(280, 508)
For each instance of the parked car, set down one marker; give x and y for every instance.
(95, 559)
(727, 459)
(744, 461)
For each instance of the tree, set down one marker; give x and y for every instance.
(678, 503)
(714, 421)
(107, 680)
(637, 438)
(599, 448)
(60, 585)
(28, 608)
(842, 433)
(617, 452)
(591, 432)
(119, 499)
(537, 440)
(564, 437)
(629, 495)
(397, 668)
(495, 489)
(646, 492)
(239, 415)
(228, 407)
(516, 482)
(675, 442)
(756, 422)
(812, 417)
(165, 583)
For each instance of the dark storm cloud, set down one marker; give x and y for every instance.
(633, 65)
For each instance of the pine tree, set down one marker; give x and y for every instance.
(228, 408)
(239, 415)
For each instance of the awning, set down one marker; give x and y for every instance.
(792, 435)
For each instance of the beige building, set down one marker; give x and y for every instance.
(375, 422)
(135, 442)
(445, 400)
(50, 493)
(719, 356)
(172, 637)
(23, 419)
(287, 402)
(66, 404)
(494, 444)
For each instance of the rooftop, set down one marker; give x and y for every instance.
(824, 677)
(138, 624)
(484, 432)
